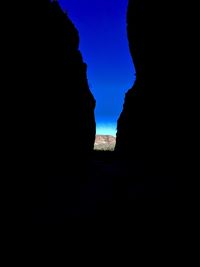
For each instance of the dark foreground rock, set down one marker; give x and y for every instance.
(59, 120)
(147, 127)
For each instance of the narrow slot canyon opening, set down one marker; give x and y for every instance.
(80, 62)
(104, 46)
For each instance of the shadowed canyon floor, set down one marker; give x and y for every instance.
(112, 187)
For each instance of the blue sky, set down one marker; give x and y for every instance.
(104, 46)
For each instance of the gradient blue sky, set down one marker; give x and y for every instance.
(104, 46)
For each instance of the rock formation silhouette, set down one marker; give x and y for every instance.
(61, 120)
(147, 126)
(63, 115)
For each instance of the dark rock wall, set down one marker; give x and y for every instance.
(147, 126)
(62, 116)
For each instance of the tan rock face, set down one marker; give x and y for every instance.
(104, 142)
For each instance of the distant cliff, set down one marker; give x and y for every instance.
(104, 142)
